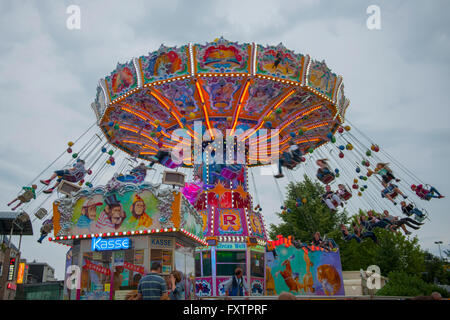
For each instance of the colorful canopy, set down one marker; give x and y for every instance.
(226, 85)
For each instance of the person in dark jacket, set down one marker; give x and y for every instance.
(236, 286)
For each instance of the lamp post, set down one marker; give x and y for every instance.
(439, 245)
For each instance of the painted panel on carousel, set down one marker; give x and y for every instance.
(230, 222)
(206, 222)
(121, 80)
(262, 92)
(257, 224)
(165, 63)
(126, 208)
(321, 78)
(223, 92)
(279, 62)
(257, 286)
(222, 56)
(191, 220)
(181, 93)
(303, 271)
(203, 287)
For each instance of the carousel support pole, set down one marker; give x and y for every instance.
(10, 234)
(20, 240)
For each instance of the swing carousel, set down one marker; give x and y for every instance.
(183, 101)
(247, 89)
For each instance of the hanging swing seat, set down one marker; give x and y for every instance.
(67, 188)
(346, 195)
(326, 178)
(70, 177)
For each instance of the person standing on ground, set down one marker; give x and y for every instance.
(152, 286)
(236, 286)
(177, 286)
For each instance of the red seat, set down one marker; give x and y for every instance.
(393, 195)
(347, 195)
(327, 178)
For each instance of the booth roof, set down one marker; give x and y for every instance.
(20, 228)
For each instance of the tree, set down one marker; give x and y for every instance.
(436, 270)
(403, 284)
(302, 221)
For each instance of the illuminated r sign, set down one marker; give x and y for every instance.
(229, 219)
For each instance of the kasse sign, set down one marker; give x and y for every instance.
(99, 244)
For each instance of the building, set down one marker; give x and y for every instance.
(36, 281)
(11, 224)
(40, 272)
(9, 254)
(40, 291)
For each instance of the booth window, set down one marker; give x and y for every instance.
(164, 257)
(96, 285)
(198, 265)
(257, 264)
(228, 261)
(206, 260)
(125, 279)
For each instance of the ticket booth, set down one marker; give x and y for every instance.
(110, 262)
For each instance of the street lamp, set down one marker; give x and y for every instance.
(439, 245)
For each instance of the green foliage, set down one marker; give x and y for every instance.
(436, 270)
(403, 284)
(304, 220)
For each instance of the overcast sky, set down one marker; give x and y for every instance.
(396, 78)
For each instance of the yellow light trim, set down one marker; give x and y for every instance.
(236, 116)
(167, 107)
(133, 142)
(318, 125)
(148, 137)
(128, 129)
(150, 147)
(205, 111)
(135, 113)
(145, 117)
(158, 97)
